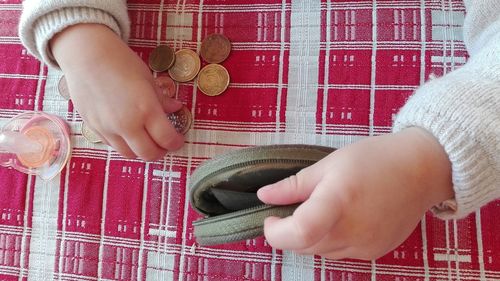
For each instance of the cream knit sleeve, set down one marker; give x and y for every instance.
(462, 110)
(42, 19)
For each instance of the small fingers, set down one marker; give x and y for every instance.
(353, 253)
(163, 133)
(144, 147)
(330, 243)
(293, 189)
(310, 222)
(338, 254)
(114, 141)
(120, 146)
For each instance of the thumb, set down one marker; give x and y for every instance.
(294, 189)
(308, 225)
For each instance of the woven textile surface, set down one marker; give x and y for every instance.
(312, 72)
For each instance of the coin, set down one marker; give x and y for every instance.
(166, 85)
(186, 67)
(181, 119)
(89, 135)
(215, 48)
(213, 79)
(63, 89)
(161, 58)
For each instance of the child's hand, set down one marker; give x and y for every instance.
(363, 200)
(114, 92)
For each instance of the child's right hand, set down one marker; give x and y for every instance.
(114, 92)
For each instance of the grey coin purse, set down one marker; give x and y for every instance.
(223, 189)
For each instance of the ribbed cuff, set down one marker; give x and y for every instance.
(462, 110)
(50, 24)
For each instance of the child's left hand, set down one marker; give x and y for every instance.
(362, 200)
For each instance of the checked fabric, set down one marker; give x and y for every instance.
(313, 72)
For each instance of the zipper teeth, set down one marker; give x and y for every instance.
(249, 163)
(241, 212)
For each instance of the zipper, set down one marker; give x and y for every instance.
(251, 163)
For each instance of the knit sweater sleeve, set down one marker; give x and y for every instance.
(42, 19)
(462, 110)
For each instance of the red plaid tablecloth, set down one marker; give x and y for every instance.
(322, 72)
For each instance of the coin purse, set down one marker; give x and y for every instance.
(224, 189)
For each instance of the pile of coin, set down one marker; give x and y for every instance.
(185, 65)
(213, 79)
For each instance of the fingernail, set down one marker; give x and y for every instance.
(266, 188)
(176, 102)
(270, 220)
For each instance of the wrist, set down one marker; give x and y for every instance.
(82, 45)
(432, 166)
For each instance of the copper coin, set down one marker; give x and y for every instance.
(89, 135)
(161, 58)
(181, 119)
(213, 80)
(215, 48)
(44, 137)
(186, 67)
(167, 86)
(63, 89)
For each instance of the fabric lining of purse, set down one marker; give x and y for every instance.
(229, 191)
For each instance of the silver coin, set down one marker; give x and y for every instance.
(89, 135)
(181, 119)
(63, 89)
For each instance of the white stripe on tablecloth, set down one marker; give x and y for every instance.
(373, 81)
(163, 232)
(297, 267)
(303, 72)
(64, 214)
(480, 249)
(305, 30)
(324, 106)
(423, 39)
(43, 239)
(273, 264)
(448, 262)
(425, 259)
(281, 70)
(143, 220)
(456, 256)
(103, 215)
(351, 5)
(372, 95)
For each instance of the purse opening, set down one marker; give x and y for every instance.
(235, 188)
